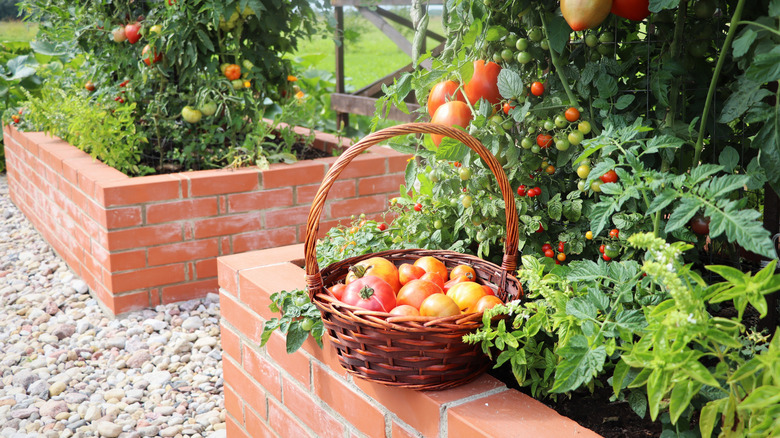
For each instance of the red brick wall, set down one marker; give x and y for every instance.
(269, 393)
(139, 242)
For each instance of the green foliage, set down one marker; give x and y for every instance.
(361, 236)
(299, 319)
(194, 39)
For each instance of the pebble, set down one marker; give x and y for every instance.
(68, 370)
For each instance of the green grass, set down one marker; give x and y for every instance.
(368, 53)
(17, 31)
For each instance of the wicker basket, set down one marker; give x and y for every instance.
(424, 353)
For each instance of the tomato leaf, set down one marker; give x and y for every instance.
(768, 141)
(554, 207)
(607, 86)
(729, 158)
(624, 101)
(510, 84)
(745, 94)
(742, 43)
(579, 363)
(659, 5)
(765, 67)
(687, 208)
(495, 33)
(638, 403)
(558, 31)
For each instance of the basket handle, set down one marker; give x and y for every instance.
(509, 263)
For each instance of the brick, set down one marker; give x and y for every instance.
(339, 189)
(224, 225)
(247, 323)
(189, 291)
(286, 216)
(137, 190)
(249, 391)
(302, 172)
(356, 206)
(143, 236)
(296, 364)
(96, 172)
(317, 417)
(128, 302)
(366, 164)
(54, 153)
(354, 407)
(183, 251)
(206, 268)
(264, 239)
(71, 167)
(147, 277)
(399, 431)
(181, 210)
(417, 408)
(234, 429)
(241, 202)
(380, 184)
(255, 426)
(230, 341)
(265, 372)
(120, 217)
(233, 403)
(258, 284)
(284, 423)
(506, 413)
(221, 181)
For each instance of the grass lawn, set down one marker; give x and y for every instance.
(17, 31)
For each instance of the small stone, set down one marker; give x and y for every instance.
(39, 389)
(192, 323)
(57, 388)
(116, 394)
(138, 359)
(24, 378)
(109, 429)
(63, 331)
(158, 378)
(80, 286)
(155, 324)
(93, 413)
(170, 431)
(24, 412)
(117, 342)
(164, 410)
(75, 397)
(207, 341)
(52, 408)
(148, 431)
(52, 308)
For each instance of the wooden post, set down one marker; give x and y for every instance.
(342, 119)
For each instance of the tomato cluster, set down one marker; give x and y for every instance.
(422, 288)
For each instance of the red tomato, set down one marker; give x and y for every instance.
(521, 190)
(700, 225)
(572, 114)
(451, 113)
(483, 83)
(546, 247)
(448, 285)
(561, 246)
(488, 290)
(434, 278)
(414, 292)
(432, 264)
(544, 140)
(442, 93)
(438, 305)
(404, 310)
(408, 272)
(337, 290)
(614, 233)
(585, 14)
(133, 32)
(549, 253)
(466, 270)
(484, 303)
(537, 88)
(636, 10)
(466, 294)
(370, 293)
(601, 248)
(378, 267)
(609, 177)
(150, 58)
(418, 207)
(233, 72)
(508, 107)
(382, 226)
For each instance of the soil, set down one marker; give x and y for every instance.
(594, 411)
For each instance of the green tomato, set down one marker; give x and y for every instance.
(583, 171)
(576, 137)
(596, 186)
(591, 40)
(438, 224)
(521, 44)
(607, 37)
(497, 57)
(464, 173)
(581, 185)
(237, 84)
(545, 45)
(466, 201)
(604, 49)
(508, 124)
(524, 57)
(562, 144)
(307, 324)
(560, 121)
(191, 115)
(208, 108)
(549, 125)
(536, 149)
(510, 41)
(247, 64)
(611, 251)
(496, 120)
(507, 55)
(584, 127)
(526, 143)
(535, 35)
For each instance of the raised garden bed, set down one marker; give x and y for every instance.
(139, 242)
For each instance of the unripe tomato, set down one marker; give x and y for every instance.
(191, 115)
(442, 93)
(576, 137)
(585, 14)
(524, 57)
(483, 83)
(150, 56)
(155, 29)
(535, 34)
(208, 108)
(521, 44)
(581, 185)
(537, 88)
(562, 144)
(526, 143)
(467, 201)
(119, 34)
(583, 171)
(611, 251)
(451, 113)
(233, 72)
(404, 310)
(550, 169)
(584, 127)
(596, 186)
(238, 84)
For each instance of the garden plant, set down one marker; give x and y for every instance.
(642, 138)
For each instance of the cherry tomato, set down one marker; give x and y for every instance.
(540, 229)
(418, 207)
(584, 127)
(549, 253)
(596, 186)
(451, 113)
(589, 235)
(614, 233)
(562, 144)
(609, 177)
(382, 226)
(439, 305)
(150, 56)
(546, 247)
(572, 114)
(606, 257)
(583, 171)
(561, 257)
(700, 225)
(524, 57)
(611, 251)
(561, 246)
(442, 93)
(521, 190)
(537, 88)
(576, 137)
(636, 10)
(467, 201)
(550, 169)
(464, 173)
(507, 107)
(601, 248)
(544, 140)
(90, 86)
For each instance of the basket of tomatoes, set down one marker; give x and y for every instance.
(398, 317)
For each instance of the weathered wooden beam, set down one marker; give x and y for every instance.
(383, 2)
(407, 23)
(365, 106)
(342, 120)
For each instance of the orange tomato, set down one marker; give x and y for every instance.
(484, 303)
(405, 310)
(414, 292)
(488, 290)
(432, 264)
(438, 305)
(377, 266)
(233, 72)
(408, 272)
(433, 278)
(466, 270)
(454, 281)
(466, 294)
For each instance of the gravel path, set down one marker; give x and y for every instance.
(69, 370)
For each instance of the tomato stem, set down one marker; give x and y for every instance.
(556, 64)
(366, 292)
(714, 82)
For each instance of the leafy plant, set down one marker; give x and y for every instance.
(300, 318)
